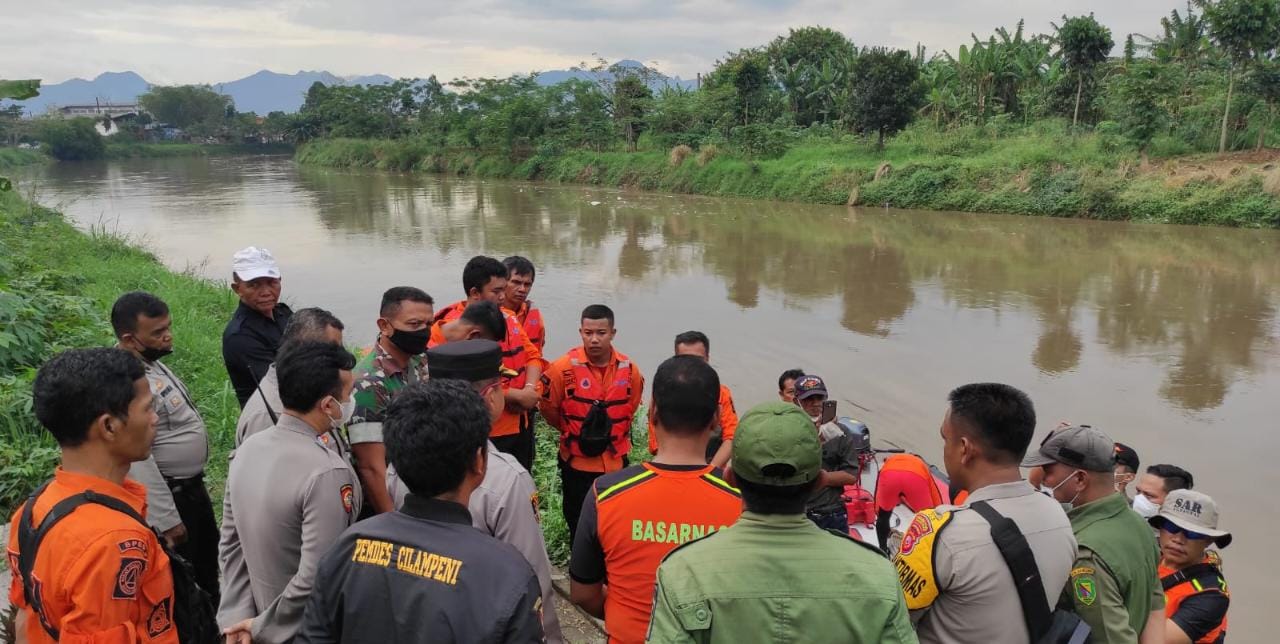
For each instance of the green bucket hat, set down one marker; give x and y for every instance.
(776, 444)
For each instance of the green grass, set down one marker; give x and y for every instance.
(15, 157)
(138, 150)
(1037, 169)
(61, 282)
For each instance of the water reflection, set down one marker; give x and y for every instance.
(1206, 298)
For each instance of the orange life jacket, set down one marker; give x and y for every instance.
(915, 465)
(514, 356)
(1204, 577)
(531, 319)
(582, 389)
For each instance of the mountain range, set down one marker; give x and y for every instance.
(263, 92)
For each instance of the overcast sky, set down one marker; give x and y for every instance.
(205, 41)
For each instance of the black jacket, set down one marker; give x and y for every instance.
(249, 345)
(422, 574)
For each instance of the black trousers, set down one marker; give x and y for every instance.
(574, 486)
(521, 445)
(201, 547)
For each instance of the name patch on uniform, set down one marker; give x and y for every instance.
(348, 498)
(428, 565)
(127, 579)
(665, 532)
(133, 544)
(159, 621)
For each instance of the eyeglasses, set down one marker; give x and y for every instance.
(1173, 528)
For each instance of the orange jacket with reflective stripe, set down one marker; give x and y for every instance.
(531, 319)
(563, 382)
(517, 353)
(728, 420)
(100, 575)
(1206, 582)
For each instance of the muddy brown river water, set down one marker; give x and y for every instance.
(1164, 336)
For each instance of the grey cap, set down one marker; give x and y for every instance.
(1079, 446)
(1193, 511)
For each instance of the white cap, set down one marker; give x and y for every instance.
(251, 263)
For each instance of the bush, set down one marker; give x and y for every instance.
(706, 154)
(72, 139)
(678, 155)
(762, 141)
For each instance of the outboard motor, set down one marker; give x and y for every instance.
(858, 432)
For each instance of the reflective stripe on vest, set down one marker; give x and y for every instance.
(514, 357)
(583, 389)
(1204, 577)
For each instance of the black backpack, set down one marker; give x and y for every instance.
(194, 614)
(1046, 626)
(596, 435)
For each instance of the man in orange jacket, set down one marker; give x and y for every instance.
(98, 574)
(696, 343)
(591, 395)
(485, 278)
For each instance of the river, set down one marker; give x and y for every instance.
(1166, 337)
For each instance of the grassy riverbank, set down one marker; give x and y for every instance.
(16, 157)
(57, 285)
(136, 150)
(1036, 170)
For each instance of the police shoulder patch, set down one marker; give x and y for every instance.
(533, 500)
(348, 498)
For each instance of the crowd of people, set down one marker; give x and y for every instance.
(387, 496)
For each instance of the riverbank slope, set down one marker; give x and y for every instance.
(1032, 171)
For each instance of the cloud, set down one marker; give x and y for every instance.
(186, 41)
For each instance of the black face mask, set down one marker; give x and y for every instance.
(151, 354)
(411, 342)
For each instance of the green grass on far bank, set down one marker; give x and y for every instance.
(1032, 170)
(138, 150)
(15, 157)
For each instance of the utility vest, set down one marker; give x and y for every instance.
(531, 319)
(915, 465)
(1204, 577)
(585, 396)
(914, 559)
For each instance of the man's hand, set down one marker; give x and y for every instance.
(176, 536)
(522, 399)
(240, 633)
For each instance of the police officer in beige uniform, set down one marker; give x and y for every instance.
(505, 505)
(289, 496)
(955, 580)
(178, 504)
(264, 408)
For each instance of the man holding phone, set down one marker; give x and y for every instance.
(826, 506)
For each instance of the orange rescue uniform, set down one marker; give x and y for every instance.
(906, 478)
(101, 576)
(560, 377)
(631, 520)
(1207, 578)
(531, 319)
(518, 352)
(728, 420)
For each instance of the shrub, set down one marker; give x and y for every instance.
(72, 139)
(678, 155)
(707, 153)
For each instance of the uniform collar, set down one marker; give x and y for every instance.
(1010, 490)
(291, 423)
(249, 313)
(382, 360)
(1095, 511)
(132, 492)
(775, 521)
(421, 507)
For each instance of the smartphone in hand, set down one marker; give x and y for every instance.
(828, 412)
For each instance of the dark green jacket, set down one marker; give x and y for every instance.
(778, 579)
(1114, 584)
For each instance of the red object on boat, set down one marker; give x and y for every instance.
(861, 505)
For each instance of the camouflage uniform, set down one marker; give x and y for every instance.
(377, 381)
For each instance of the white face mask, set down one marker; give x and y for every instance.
(1051, 491)
(1145, 507)
(348, 409)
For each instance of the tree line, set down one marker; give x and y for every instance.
(1207, 79)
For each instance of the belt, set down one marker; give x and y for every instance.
(177, 484)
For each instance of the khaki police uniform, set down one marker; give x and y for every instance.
(954, 578)
(288, 498)
(174, 474)
(423, 574)
(264, 410)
